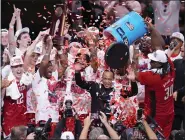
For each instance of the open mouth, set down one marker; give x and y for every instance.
(29, 43)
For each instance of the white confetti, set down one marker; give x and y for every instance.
(25, 9)
(44, 17)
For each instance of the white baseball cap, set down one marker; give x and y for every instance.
(93, 30)
(75, 44)
(16, 60)
(67, 135)
(178, 35)
(4, 31)
(26, 29)
(158, 56)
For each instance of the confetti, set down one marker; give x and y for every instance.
(44, 17)
(25, 9)
(44, 7)
(49, 12)
(32, 21)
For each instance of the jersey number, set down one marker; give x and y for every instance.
(20, 100)
(169, 92)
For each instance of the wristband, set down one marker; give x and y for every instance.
(11, 26)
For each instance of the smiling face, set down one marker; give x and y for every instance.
(24, 40)
(49, 70)
(107, 79)
(17, 71)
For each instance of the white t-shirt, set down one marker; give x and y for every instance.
(44, 109)
(166, 18)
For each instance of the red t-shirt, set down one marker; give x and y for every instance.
(14, 110)
(162, 88)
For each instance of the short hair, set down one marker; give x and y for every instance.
(95, 133)
(109, 71)
(86, 57)
(19, 37)
(18, 132)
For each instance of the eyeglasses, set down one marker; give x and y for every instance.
(165, 8)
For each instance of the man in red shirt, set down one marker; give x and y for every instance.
(14, 109)
(158, 83)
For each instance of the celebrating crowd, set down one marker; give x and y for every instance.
(59, 85)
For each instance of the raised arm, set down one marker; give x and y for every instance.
(157, 41)
(11, 39)
(87, 123)
(113, 134)
(31, 49)
(81, 83)
(18, 18)
(46, 57)
(150, 133)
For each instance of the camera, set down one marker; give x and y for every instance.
(68, 108)
(173, 44)
(41, 131)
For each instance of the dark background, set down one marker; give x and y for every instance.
(31, 8)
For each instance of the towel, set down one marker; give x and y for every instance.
(13, 90)
(26, 79)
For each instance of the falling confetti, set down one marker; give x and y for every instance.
(25, 9)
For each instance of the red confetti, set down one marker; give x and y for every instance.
(44, 7)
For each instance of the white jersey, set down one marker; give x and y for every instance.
(45, 108)
(166, 16)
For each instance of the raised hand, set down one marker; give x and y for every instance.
(131, 74)
(88, 121)
(149, 24)
(103, 117)
(17, 12)
(78, 67)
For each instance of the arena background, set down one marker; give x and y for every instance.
(37, 14)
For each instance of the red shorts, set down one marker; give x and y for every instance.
(165, 122)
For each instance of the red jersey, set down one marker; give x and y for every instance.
(161, 88)
(14, 110)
